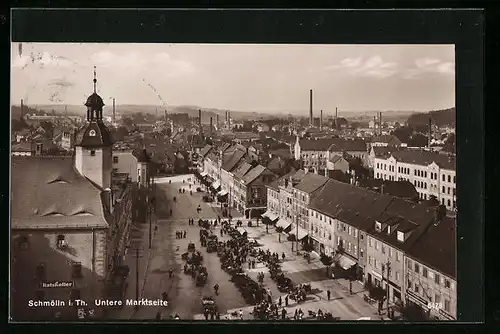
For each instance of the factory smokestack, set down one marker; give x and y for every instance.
(22, 108)
(217, 120)
(321, 119)
(380, 122)
(336, 117)
(310, 107)
(430, 133)
(374, 124)
(165, 115)
(211, 125)
(199, 121)
(114, 111)
(227, 117)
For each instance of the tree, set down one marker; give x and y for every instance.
(327, 261)
(418, 140)
(128, 121)
(279, 229)
(48, 127)
(403, 133)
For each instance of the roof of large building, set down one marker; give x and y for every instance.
(48, 192)
(383, 152)
(23, 147)
(402, 189)
(332, 144)
(253, 173)
(436, 248)
(311, 182)
(94, 134)
(335, 158)
(141, 155)
(425, 158)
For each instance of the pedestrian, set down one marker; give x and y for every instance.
(241, 314)
(296, 314)
(206, 315)
(279, 302)
(286, 301)
(170, 273)
(221, 233)
(249, 265)
(283, 256)
(212, 316)
(185, 232)
(328, 294)
(269, 299)
(283, 314)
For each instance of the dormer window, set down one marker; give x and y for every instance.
(92, 153)
(401, 236)
(388, 230)
(378, 226)
(61, 242)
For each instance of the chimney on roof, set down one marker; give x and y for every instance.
(429, 134)
(114, 111)
(22, 108)
(310, 107)
(321, 120)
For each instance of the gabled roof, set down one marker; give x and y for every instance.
(241, 169)
(436, 247)
(311, 182)
(204, 151)
(49, 192)
(332, 144)
(232, 160)
(253, 173)
(336, 158)
(93, 134)
(23, 147)
(383, 152)
(275, 184)
(388, 139)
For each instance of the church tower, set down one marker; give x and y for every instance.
(93, 144)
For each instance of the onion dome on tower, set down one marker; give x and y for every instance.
(94, 133)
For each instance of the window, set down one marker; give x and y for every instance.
(444, 178)
(378, 165)
(61, 242)
(361, 236)
(349, 230)
(369, 241)
(41, 271)
(361, 253)
(443, 190)
(92, 153)
(437, 298)
(417, 290)
(448, 190)
(370, 261)
(355, 250)
(425, 174)
(424, 272)
(436, 278)
(409, 284)
(398, 257)
(449, 178)
(376, 244)
(378, 176)
(383, 249)
(355, 233)
(401, 236)
(447, 305)
(115, 159)
(397, 275)
(343, 227)
(447, 284)
(417, 268)
(454, 179)
(77, 270)
(449, 202)
(390, 252)
(454, 191)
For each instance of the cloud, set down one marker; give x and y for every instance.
(61, 83)
(374, 67)
(429, 66)
(160, 62)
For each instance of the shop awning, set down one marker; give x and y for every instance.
(283, 224)
(302, 234)
(222, 193)
(345, 262)
(270, 215)
(203, 174)
(241, 230)
(216, 184)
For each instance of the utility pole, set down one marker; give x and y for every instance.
(137, 278)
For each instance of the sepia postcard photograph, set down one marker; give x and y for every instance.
(221, 182)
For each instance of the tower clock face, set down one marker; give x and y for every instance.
(92, 133)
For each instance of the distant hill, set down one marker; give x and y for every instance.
(128, 109)
(445, 117)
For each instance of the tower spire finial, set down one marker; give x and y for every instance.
(95, 80)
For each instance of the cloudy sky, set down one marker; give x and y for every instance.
(238, 77)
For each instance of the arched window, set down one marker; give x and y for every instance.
(61, 242)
